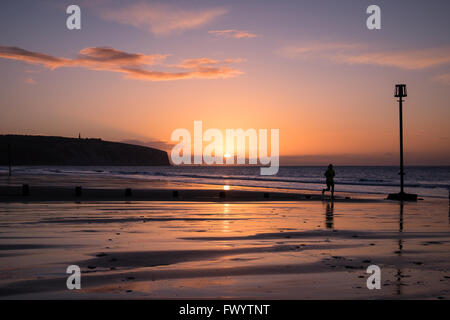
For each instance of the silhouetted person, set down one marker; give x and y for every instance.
(329, 175)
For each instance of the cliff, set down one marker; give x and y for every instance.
(44, 150)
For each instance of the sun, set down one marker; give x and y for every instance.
(227, 155)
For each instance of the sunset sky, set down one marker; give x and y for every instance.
(137, 70)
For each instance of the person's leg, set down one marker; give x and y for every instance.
(327, 189)
(332, 190)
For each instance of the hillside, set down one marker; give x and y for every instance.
(44, 150)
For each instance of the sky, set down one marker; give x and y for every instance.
(138, 70)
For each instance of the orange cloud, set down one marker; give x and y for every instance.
(195, 63)
(161, 19)
(132, 65)
(204, 62)
(233, 33)
(410, 60)
(112, 56)
(360, 54)
(30, 81)
(201, 73)
(16, 53)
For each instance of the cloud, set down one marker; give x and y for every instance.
(132, 65)
(357, 54)
(106, 55)
(200, 73)
(16, 53)
(204, 62)
(29, 81)
(409, 59)
(233, 33)
(195, 63)
(32, 71)
(161, 19)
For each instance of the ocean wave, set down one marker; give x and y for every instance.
(357, 182)
(366, 180)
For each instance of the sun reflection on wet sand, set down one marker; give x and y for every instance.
(238, 250)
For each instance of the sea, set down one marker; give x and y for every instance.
(422, 180)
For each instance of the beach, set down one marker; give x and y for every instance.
(222, 248)
(227, 156)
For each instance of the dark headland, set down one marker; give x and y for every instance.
(46, 150)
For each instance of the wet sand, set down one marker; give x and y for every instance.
(250, 250)
(60, 193)
(61, 187)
